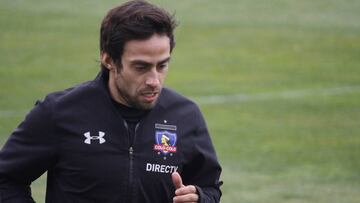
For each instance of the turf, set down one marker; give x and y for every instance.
(301, 149)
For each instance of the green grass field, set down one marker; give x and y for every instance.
(287, 126)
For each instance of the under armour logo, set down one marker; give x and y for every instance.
(89, 137)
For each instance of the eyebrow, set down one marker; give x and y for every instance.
(141, 62)
(165, 60)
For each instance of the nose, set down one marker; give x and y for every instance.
(153, 79)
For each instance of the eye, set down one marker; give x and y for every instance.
(140, 68)
(163, 66)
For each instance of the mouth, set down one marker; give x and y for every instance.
(149, 97)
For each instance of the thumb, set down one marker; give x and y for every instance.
(177, 181)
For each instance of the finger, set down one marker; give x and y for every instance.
(186, 190)
(186, 198)
(177, 181)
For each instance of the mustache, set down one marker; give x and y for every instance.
(150, 90)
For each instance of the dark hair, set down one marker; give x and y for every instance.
(137, 20)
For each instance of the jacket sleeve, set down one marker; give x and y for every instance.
(203, 170)
(28, 153)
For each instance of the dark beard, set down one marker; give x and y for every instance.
(132, 102)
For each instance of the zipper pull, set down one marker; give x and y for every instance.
(131, 150)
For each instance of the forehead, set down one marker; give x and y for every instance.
(157, 47)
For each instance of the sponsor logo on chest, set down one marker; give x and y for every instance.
(164, 146)
(160, 168)
(89, 139)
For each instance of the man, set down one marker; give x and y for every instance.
(121, 137)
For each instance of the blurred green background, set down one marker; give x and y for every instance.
(278, 82)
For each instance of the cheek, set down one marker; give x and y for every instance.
(124, 84)
(133, 86)
(162, 77)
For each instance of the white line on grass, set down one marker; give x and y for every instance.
(237, 98)
(289, 94)
(12, 113)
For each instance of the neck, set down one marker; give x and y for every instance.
(113, 91)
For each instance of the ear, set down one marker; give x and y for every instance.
(107, 61)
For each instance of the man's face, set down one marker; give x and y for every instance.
(139, 81)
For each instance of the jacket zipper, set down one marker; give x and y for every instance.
(131, 168)
(131, 160)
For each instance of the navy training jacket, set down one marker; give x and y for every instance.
(78, 137)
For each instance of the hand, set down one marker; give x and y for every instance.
(183, 193)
